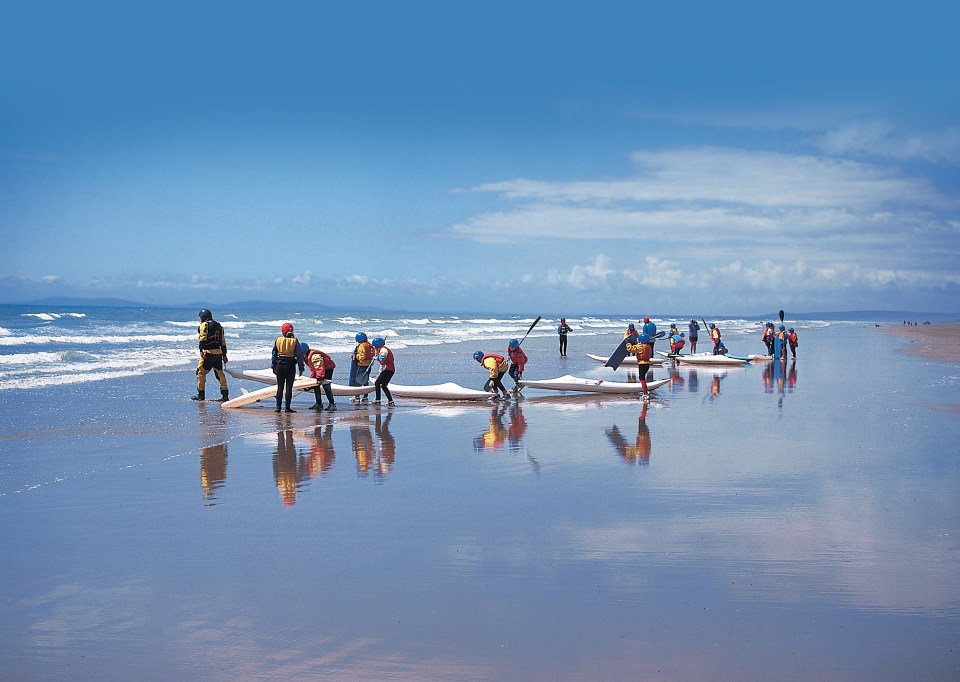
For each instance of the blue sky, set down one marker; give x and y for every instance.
(729, 158)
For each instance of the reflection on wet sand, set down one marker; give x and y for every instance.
(322, 454)
(780, 377)
(213, 471)
(637, 452)
(497, 433)
(289, 470)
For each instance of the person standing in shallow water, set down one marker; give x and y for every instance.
(286, 358)
(563, 329)
(693, 330)
(213, 355)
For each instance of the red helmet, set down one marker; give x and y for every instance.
(286, 328)
(646, 319)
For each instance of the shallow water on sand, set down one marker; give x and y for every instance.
(749, 523)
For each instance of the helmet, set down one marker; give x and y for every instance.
(673, 325)
(304, 348)
(782, 327)
(713, 326)
(286, 328)
(646, 319)
(361, 337)
(644, 338)
(478, 356)
(631, 326)
(513, 344)
(206, 315)
(377, 343)
(790, 330)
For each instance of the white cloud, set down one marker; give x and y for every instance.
(593, 275)
(882, 139)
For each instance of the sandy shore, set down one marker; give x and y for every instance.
(936, 342)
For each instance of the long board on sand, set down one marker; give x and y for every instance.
(266, 376)
(572, 383)
(719, 360)
(447, 391)
(298, 385)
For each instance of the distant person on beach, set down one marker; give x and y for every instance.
(793, 341)
(497, 366)
(563, 330)
(286, 359)
(643, 349)
(321, 368)
(213, 355)
(361, 360)
(692, 334)
(518, 360)
(387, 370)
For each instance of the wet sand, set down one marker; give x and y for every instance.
(771, 521)
(933, 341)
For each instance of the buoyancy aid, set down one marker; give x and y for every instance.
(495, 364)
(211, 337)
(517, 357)
(364, 354)
(385, 358)
(794, 341)
(643, 351)
(319, 363)
(285, 348)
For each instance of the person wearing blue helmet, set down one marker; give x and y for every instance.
(518, 360)
(497, 366)
(361, 359)
(793, 341)
(387, 370)
(213, 355)
(321, 367)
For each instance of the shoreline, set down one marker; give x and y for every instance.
(933, 342)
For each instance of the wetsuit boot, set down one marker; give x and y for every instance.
(224, 396)
(199, 396)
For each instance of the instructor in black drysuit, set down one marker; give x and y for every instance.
(287, 357)
(213, 355)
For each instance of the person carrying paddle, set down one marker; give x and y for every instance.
(643, 349)
(286, 358)
(562, 330)
(497, 366)
(321, 368)
(213, 355)
(518, 360)
(387, 369)
(692, 334)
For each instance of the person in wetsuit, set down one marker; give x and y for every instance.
(213, 355)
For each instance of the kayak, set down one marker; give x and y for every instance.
(699, 359)
(572, 383)
(447, 391)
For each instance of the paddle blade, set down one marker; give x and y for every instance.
(530, 329)
(781, 317)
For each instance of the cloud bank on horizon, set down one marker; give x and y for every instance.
(361, 170)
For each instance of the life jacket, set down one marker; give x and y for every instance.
(793, 339)
(363, 353)
(498, 366)
(643, 351)
(319, 363)
(286, 347)
(517, 357)
(211, 337)
(715, 334)
(385, 357)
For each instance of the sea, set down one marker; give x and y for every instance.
(789, 521)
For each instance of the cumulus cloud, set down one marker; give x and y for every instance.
(593, 275)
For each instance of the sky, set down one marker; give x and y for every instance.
(521, 158)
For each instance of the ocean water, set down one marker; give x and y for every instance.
(792, 522)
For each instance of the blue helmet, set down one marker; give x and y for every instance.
(782, 327)
(361, 337)
(478, 356)
(377, 343)
(790, 330)
(644, 338)
(205, 315)
(304, 348)
(513, 344)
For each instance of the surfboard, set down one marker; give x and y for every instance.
(572, 383)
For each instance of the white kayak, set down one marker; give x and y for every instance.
(301, 384)
(708, 359)
(266, 376)
(629, 360)
(571, 383)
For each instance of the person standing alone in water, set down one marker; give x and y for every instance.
(287, 357)
(563, 330)
(213, 355)
(692, 332)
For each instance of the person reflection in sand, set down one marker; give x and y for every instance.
(363, 448)
(639, 452)
(322, 454)
(387, 456)
(518, 426)
(286, 471)
(496, 434)
(213, 471)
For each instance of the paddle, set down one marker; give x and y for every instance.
(529, 330)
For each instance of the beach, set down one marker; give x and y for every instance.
(935, 341)
(786, 521)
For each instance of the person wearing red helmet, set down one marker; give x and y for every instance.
(286, 358)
